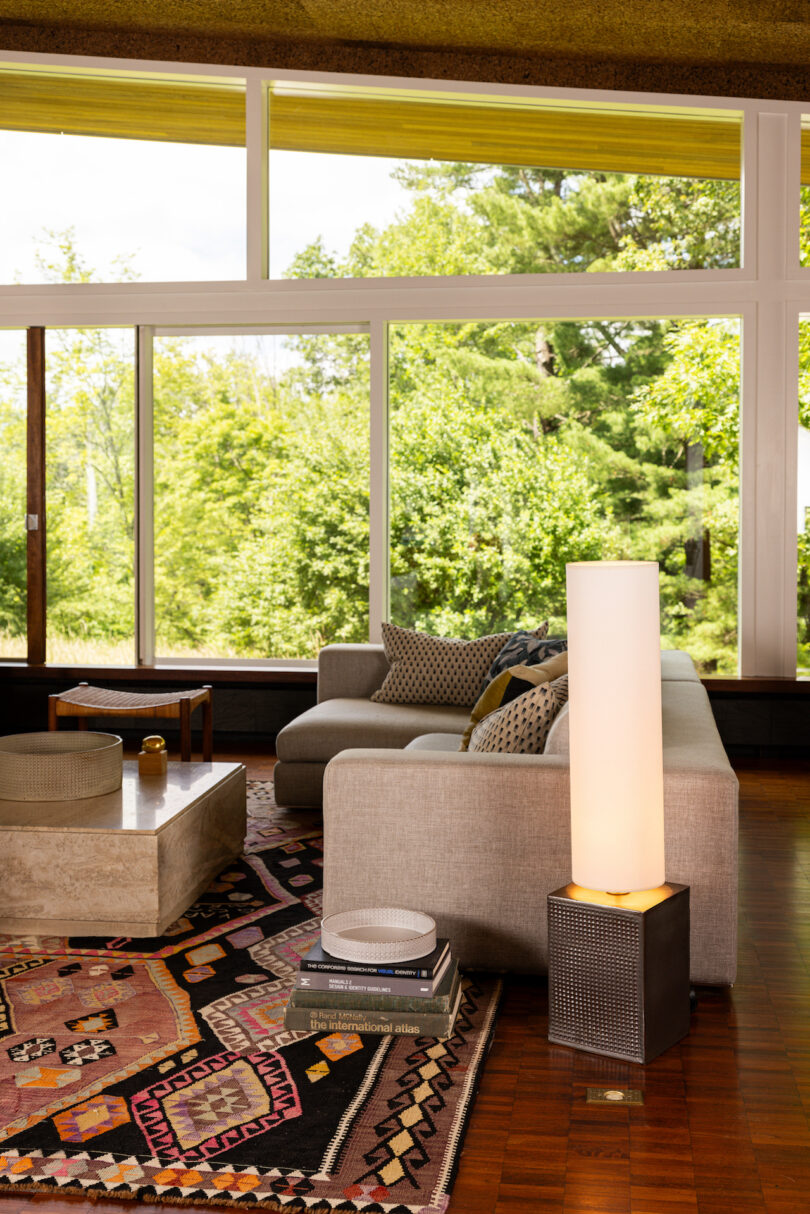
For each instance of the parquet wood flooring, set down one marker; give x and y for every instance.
(725, 1124)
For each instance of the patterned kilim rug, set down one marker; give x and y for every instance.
(161, 1070)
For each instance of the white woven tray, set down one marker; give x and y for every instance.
(379, 934)
(59, 766)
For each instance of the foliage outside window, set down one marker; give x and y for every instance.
(261, 495)
(90, 463)
(520, 447)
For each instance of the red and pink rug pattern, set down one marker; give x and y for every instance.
(161, 1069)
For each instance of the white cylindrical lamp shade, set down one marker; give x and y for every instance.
(616, 750)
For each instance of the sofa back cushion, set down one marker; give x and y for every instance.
(522, 726)
(427, 669)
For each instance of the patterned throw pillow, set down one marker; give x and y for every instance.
(436, 670)
(525, 649)
(510, 684)
(522, 726)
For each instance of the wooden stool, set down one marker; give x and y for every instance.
(85, 701)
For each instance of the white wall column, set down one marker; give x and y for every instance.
(256, 154)
(378, 581)
(767, 581)
(144, 500)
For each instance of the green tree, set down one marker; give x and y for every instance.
(576, 389)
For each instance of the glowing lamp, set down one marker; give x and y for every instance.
(614, 679)
(618, 934)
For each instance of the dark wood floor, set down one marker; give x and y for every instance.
(725, 1125)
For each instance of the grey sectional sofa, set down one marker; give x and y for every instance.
(478, 840)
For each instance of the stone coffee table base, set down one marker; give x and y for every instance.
(127, 863)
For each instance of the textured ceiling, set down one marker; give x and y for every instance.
(749, 46)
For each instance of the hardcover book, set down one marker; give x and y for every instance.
(323, 982)
(359, 1020)
(422, 967)
(441, 1001)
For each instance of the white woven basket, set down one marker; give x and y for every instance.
(379, 935)
(59, 766)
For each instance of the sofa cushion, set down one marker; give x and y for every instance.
(427, 669)
(524, 649)
(510, 684)
(343, 724)
(522, 726)
(435, 741)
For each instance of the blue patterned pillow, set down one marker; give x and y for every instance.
(524, 649)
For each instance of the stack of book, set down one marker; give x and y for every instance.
(419, 998)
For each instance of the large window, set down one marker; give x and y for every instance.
(516, 448)
(321, 353)
(371, 183)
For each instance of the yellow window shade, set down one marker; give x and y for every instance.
(379, 125)
(513, 134)
(180, 112)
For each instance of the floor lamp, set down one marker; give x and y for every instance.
(618, 933)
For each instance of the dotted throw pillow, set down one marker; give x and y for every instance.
(522, 726)
(436, 670)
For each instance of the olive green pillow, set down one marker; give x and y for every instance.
(510, 684)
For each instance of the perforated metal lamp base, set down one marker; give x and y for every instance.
(618, 970)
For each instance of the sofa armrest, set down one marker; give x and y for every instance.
(473, 840)
(350, 672)
(479, 840)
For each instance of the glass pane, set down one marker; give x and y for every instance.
(803, 503)
(804, 194)
(102, 194)
(261, 494)
(518, 447)
(90, 391)
(445, 185)
(13, 571)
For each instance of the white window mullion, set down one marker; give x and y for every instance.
(256, 141)
(378, 592)
(144, 501)
(767, 604)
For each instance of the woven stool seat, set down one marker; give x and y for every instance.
(86, 701)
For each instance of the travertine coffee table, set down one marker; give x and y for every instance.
(129, 862)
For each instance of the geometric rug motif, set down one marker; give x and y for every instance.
(252, 1017)
(210, 1108)
(152, 1022)
(169, 1076)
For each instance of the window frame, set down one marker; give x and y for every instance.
(767, 292)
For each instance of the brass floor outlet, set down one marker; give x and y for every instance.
(614, 1096)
